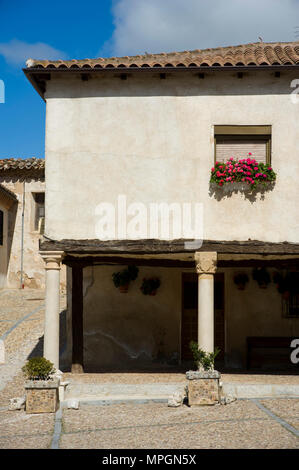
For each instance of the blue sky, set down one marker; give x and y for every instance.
(76, 29)
(66, 27)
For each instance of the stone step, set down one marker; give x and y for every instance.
(117, 391)
(260, 390)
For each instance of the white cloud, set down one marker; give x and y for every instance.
(168, 25)
(17, 52)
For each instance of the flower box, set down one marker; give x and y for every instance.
(242, 175)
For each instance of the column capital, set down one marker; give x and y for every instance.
(52, 259)
(206, 262)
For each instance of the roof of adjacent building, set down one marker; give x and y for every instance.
(22, 169)
(258, 54)
(7, 197)
(8, 164)
(7, 192)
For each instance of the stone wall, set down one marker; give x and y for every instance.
(34, 272)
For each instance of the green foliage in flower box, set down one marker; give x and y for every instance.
(246, 170)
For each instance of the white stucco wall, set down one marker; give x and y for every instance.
(252, 312)
(125, 330)
(152, 140)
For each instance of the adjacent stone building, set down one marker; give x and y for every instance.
(22, 204)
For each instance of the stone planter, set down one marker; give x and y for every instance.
(203, 387)
(42, 396)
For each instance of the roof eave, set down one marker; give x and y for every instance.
(33, 71)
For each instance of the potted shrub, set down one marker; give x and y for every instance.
(241, 280)
(41, 386)
(123, 278)
(242, 174)
(150, 285)
(203, 383)
(262, 277)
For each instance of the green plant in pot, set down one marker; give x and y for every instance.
(122, 279)
(149, 286)
(38, 368)
(241, 280)
(41, 386)
(261, 276)
(203, 360)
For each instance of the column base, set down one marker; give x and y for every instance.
(77, 369)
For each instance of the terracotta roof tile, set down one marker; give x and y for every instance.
(247, 54)
(22, 164)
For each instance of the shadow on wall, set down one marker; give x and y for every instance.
(186, 84)
(125, 355)
(220, 193)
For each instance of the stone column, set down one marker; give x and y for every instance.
(51, 333)
(206, 263)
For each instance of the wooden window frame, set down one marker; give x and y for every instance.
(244, 132)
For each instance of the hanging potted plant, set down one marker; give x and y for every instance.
(262, 277)
(285, 284)
(241, 280)
(122, 279)
(149, 286)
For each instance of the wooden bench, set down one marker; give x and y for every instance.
(269, 342)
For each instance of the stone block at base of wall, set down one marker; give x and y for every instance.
(42, 396)
(203, 387)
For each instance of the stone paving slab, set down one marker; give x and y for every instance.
(240, 425)
(294, 423)
(90, 417)
(285, 408)
(19, 430)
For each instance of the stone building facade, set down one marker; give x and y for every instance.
(23, 225)
(148, 129)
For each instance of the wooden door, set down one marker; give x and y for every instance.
(190, 314)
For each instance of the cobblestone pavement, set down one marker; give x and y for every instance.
(21, 328)
(272, 423)
(241, 424)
